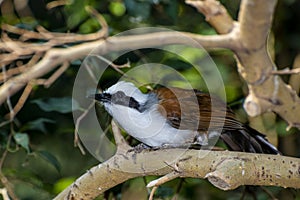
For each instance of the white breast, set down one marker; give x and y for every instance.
(149, 127)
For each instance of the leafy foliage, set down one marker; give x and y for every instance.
(47, 163)
(38, 124)
(50, 158)
(61, 105)
(22, 139)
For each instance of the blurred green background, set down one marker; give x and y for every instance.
(42, 159)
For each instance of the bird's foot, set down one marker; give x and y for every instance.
(181, 146)
(143, 147)
(139, 148)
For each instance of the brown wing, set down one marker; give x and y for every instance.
(212, 112)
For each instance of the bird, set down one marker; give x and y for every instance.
(174, 117)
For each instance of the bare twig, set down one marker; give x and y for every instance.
(8, 102)
(4, 180)
(48, 82)
(54, 4)
(3, 158)
(164, 179)
(8, 186)
(11, 72)
(29, 87)
(151, 196)
(286, 71)
(19, 49)
(55, 57)
(20, 102)
(76, 138)
(55, 38)
(121, 143)
(114, 66)
(4, 193)
(295, 78)
(175, 197)
(100, 19)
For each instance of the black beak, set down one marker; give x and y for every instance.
(102, 97)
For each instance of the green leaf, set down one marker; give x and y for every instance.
(117, 8)
(89, 26)
(63, 183)
(61, 105)
(50, 158)
(38, 124)
(75, 14)
(22, 139)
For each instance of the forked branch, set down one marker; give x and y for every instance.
(226, 170)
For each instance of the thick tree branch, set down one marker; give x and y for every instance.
(247, 38)
(215, 13)
(267, 92)
(55, 56)
(226, 170)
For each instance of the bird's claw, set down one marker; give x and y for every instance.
(139, 148)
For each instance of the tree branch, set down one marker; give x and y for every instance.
(295, 78)
(215, 13)
(55, 56)
(247, 38)
(267, 92)
(226, 170)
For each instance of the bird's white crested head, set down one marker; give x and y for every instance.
(129, 89)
